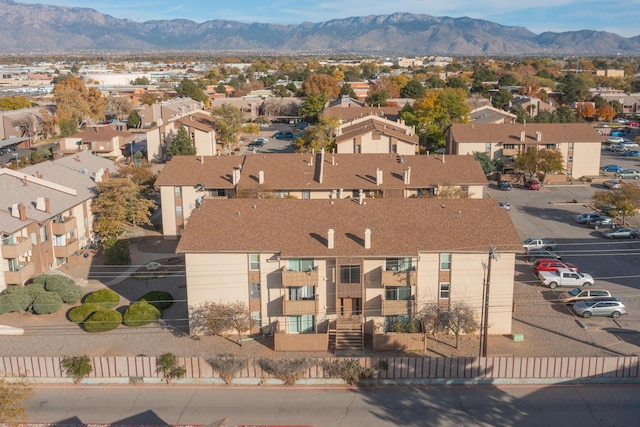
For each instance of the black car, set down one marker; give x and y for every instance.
(534, 255)
(602, 222)
(504, 185)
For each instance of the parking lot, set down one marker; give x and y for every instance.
(273, 145)
(615, 266)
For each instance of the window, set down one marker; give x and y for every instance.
(59, 240)
(43, 234)
(426, 192)
(255, 290)
(398, 293)
(445, 290)
(394, 148)
(9, 240)
(254, 262)
(284, 194)
(216, 192)
(398, 264)
(301, 324)
(13, 264)
(300, 264)
(487, 146)
(445, 261)
(178, 192)
(571, 146)
(508, 146)
(306, 194)
(255, 319)
(179, 211)
(350, 274)
(569, 159)
(297, 293)
(550, 146)
(395, 323)
(358, 148)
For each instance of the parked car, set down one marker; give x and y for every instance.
(504, 185)
(629, 173)
(621, 121)
(621, 233)
(618, 132)
(602, 222)
(533, 243)
(505, 205)
(585, 218)
(633, 124)
(612, 184)
(550, 264)
(564, 277)
(279, 135)
(615, 139)
(634, 153)
(288, 135)
(579, 294)
(600, 307)
(611, 168)
(533, 256)
(618, 148)
(533, 184)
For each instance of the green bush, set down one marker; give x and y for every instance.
(40, 279)
(80, 313)
(140, 313)
(77, 367)
(102, 321)
(117, 253)
(159, 299)
(15, 299)
(104, 297)
(46, 302)
(34, 289)
(65, 287)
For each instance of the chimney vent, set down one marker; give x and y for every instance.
(538, 136)
(261, 177)
(378, 176)
(407, 175)
(40, 204)
(367, 238)
(22, 209)
(330, 238)
(522, 135)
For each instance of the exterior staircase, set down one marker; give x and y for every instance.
(349, 335)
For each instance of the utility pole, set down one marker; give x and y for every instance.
(493, 256)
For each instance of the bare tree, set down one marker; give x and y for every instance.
(461, 319)
(219, 318)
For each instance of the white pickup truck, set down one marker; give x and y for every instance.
(534, 243)
(564, 277)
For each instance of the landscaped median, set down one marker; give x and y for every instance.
(326, 371)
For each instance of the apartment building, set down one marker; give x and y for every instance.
(104, 140)
(46, 216)
(186, 181)
(579, 143)
(307, 266)
(373, 134)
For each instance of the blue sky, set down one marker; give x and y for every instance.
(617, 16)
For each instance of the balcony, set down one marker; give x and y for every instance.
(399, 278)
(72, 246)
(396, 308)
(65, 226)
(349, 290)
(299, 278)
(299, 307)
(26, 271)
(18, 249)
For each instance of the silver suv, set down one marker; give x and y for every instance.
(612, 307)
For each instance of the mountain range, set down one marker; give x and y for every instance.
(35, 28)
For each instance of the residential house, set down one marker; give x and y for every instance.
(579, 143)
(21, 123)
(347, 113)
(102, 139)
(46, 217)
(202, 131)
(186, 181)
(532, 105)
(487, 114)
(165, 111)
(308, 266)
(373, 134)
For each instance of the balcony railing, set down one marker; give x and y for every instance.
(18, 249)
(26, 271)
(349, 290)
(299, 307)
(72, 246)
(399, 278)
(299, 278)
(65, 226)
(395, 307)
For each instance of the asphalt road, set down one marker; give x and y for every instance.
(585, 406)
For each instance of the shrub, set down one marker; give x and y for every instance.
(65, 287)
(40, 279)
(104, 297)
(46, 302)
(167, 364)
(286, 370)
(102, 321)
(349, 370)
(15, 299)
(80, 313)
(140, 313)
(77, 367)
(117, 253)
(159, 299)
(227, 367)
(34, 289)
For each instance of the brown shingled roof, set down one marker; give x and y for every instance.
(298, 171)
(551, 133)
(350, 113)
(374, 124)
(400, 227)
(103, 133)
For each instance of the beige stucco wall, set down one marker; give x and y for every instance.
(205, 142)
(586, 159)
(168, 211)
(382, 145)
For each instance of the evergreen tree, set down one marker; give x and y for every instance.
(181, 145)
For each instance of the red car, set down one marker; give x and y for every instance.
(534, 184)
(548, 264)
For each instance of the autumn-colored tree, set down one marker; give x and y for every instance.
(117, 106)
(320, 135)
(120, 202)
(586, 110)
(214, 318)
(606, 112)
(13, 396)
(47, 123)
(149, 98)
(623, 201)
(321, 84)
(14, 103)
(385, 84)
(140, 175)
(74, 101)
(546, 161)
(228, 120)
